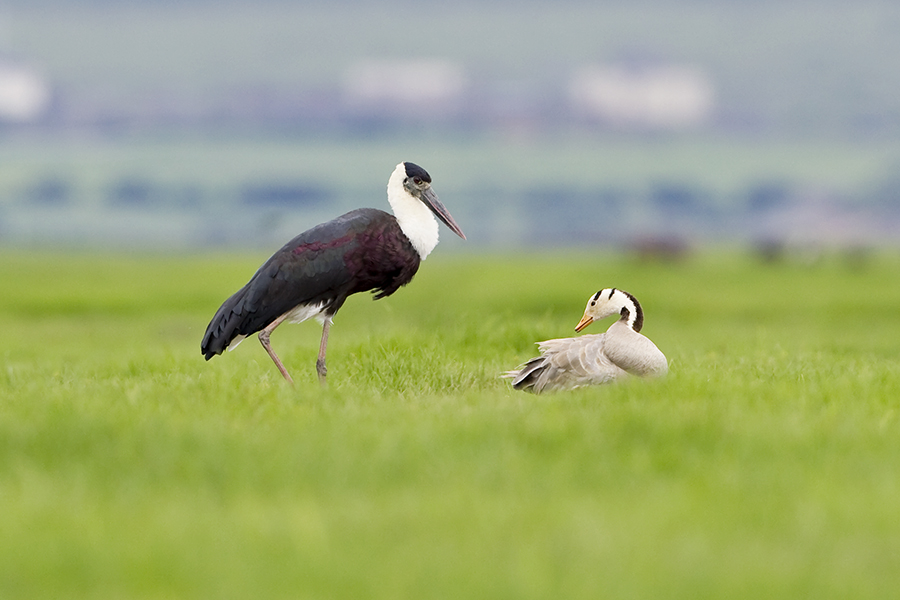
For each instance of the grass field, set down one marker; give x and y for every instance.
(767, 464)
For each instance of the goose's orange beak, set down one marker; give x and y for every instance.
(584, 322)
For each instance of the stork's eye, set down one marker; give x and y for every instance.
(417, 180)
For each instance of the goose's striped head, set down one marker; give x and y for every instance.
(611, 301)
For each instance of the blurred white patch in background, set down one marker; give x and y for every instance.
(424, 86)
(24, 93)
(645, 97)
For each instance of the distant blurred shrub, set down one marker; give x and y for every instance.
(50, 191)
(132, 192)
(284, 194)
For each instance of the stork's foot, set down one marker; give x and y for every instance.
(320, 360)
(321, 369)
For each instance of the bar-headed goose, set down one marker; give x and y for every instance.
(594, 359)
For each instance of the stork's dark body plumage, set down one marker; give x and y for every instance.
(314, 273)
(360, 251)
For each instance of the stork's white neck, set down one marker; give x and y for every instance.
(415, 219)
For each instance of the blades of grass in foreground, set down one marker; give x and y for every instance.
(766, 464)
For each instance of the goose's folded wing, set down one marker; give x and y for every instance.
(636, 354)
(568, 363)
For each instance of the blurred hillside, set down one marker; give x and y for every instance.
(181, 123)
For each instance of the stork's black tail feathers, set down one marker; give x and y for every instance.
(229, 322)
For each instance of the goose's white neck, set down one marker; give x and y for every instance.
(612, 301)
(634, 317)
(416, 220)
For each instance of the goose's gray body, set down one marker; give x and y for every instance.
(594, 359)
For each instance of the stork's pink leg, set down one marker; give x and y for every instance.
(321, 369)
(264, 340)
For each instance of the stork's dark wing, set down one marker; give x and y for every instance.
(359, 251)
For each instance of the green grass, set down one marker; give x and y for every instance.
(767, 464)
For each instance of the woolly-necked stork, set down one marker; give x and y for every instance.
(314, 273)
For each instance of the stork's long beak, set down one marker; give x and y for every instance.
(431, 201)
(584, 322)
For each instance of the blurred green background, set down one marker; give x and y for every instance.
(189, 124)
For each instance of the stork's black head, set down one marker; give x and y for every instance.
(414, 172)
(418, 184)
